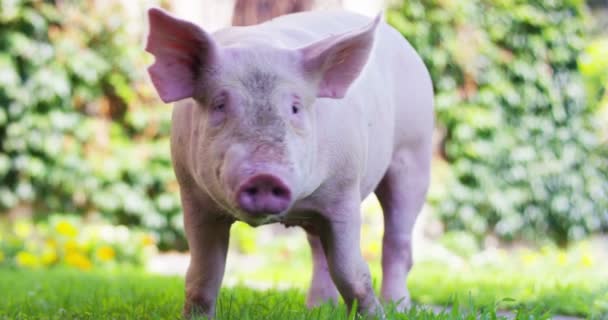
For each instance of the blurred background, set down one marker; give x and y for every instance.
(520, 172)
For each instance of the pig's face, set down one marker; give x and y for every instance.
(255, 133)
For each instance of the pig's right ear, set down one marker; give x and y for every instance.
(335, 62)
(182, 50)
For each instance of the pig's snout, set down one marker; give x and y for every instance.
(263, 194)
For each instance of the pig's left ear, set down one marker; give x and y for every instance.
(182, 51)
(336, 61)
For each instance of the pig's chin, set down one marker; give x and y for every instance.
(255, 219)
(258, 219)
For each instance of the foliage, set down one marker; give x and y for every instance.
(594, 68)
(521, 139)
(66, 241)
(461, 243)
(74, 133)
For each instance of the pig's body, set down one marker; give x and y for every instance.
(377, 137)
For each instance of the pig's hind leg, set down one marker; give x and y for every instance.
(401, 193)
(322, 287)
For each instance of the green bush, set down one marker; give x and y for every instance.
(593, 64)
(520, 136)
(80, 130)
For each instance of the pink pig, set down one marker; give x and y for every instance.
(295, 121)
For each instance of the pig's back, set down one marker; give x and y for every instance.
(293, 30)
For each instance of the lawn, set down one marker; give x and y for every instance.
(63, 294)
(572, 281)
(68, 294)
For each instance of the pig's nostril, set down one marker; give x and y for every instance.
(252, 191)
(278, 192)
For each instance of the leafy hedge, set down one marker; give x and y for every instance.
(521, 138)
(80, 131)
(593, 64)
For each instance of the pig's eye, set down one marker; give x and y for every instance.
(219, 107)
(295, 109)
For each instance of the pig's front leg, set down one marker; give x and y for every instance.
(340, 236)
(208, 241)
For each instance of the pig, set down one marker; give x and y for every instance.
(295, 121)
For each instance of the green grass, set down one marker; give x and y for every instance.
(559, 290)
(64, 294)
(570, 282)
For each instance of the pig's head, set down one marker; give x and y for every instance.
(255, 133)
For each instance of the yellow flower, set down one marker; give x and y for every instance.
(529, 257)
(587, 260)
(562, 259)
(148, 240)
(545, 249)
(23, 229)
(50, 243)
(105, 253)
(27, 259)
(49, 256)
(374, 247)
(71, 246)
(65, 228)
(78, 260)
